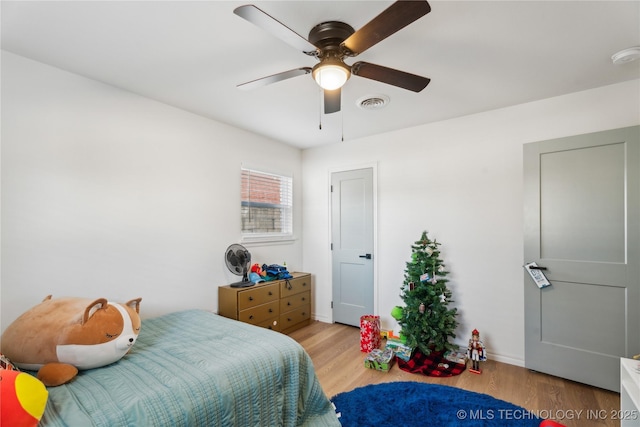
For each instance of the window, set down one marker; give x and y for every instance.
(266, 205)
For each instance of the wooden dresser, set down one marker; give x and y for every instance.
(281, 305)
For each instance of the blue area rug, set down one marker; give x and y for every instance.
(410, 404)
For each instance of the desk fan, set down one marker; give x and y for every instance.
(238, 260)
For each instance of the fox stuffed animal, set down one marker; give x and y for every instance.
(60, 336)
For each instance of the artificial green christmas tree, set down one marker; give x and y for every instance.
(427, 321)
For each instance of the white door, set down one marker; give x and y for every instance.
(352, 245)
(582, 223)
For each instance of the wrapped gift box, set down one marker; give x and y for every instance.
(456, 356)
(380, 360)
(369, 333)
(401, 350)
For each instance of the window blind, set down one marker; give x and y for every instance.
(266, 204)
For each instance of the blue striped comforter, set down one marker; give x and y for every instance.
(195, 368)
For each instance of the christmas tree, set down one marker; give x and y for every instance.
(427, 321)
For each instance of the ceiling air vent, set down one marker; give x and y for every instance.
(372, 102)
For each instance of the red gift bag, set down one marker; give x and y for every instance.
(369, 333)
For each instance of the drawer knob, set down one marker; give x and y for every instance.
(304, 283)
(288, 302)
(303, 298)
(250, 298)
(270, 293)
(251, 317)
(271, 310)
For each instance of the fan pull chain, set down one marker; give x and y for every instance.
(321, 97)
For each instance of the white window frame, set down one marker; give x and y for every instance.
(285, 205)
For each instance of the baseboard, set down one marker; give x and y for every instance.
(323, 319)
(507, 359)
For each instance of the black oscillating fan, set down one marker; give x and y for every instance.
(238, 260)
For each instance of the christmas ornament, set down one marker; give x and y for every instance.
(443, 298)
(433, 279)
(421, 308)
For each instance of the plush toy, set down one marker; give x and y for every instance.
(23, 399)
(60, 336)
(255, 268)
(397, 313)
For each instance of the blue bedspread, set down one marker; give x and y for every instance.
(195, 368)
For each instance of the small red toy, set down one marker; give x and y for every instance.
(550, 423)
(255, 268)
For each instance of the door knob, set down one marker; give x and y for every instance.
(367, 256)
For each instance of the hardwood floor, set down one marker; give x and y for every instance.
(339, 364)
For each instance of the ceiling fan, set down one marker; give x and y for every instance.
(331, 42)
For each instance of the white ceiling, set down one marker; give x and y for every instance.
(480, 55)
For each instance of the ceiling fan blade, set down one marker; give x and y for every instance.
(276, 28)
(332, 101)
(253, 84)
(390, 76)
(394, 18)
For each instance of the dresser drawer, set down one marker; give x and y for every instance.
(255, 315)
(295, 316)
(295, 286)
(258, 295)
(273, 324)
(294, 301)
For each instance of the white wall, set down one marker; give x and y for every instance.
(461, 180)
(108, 194)
(105, 193)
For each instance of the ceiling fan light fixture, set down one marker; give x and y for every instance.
(331, 73)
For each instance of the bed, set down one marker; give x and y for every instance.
(195, 368)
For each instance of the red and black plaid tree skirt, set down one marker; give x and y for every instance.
(433, 365)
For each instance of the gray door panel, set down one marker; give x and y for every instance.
(582, 204)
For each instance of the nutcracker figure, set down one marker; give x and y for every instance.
(476, 352)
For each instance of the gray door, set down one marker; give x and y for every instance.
(352, 245)
(582, 223)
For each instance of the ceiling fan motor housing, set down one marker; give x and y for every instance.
(328, 36)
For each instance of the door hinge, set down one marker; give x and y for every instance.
(331, 188)
(332, 246)
(331, 304)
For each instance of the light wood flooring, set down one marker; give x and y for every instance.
(339, 364)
